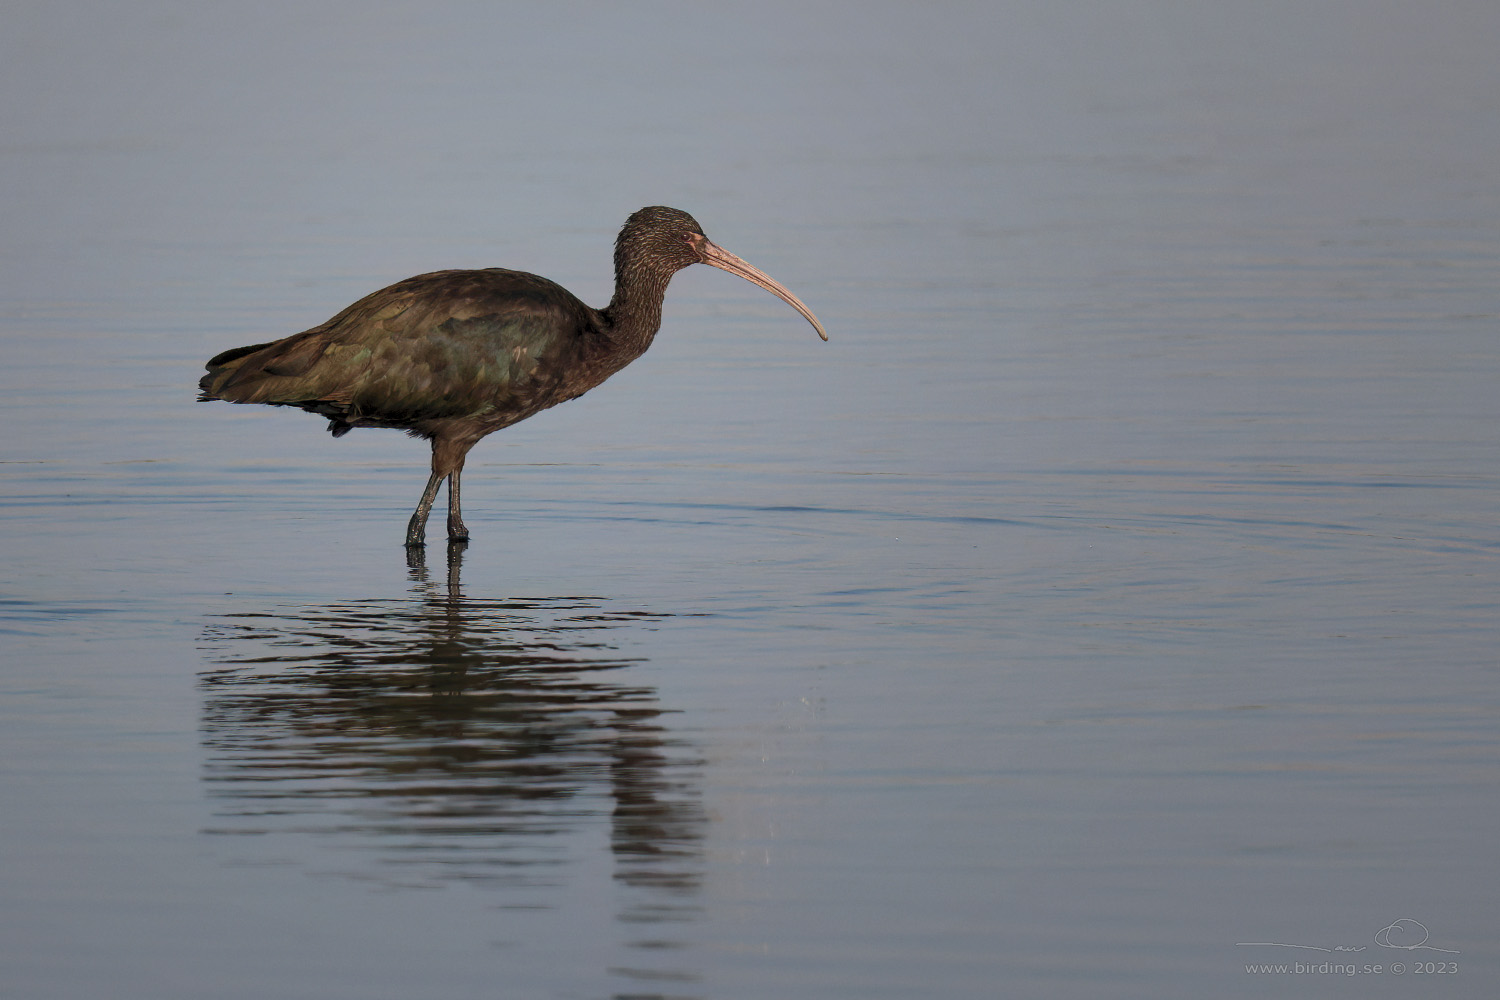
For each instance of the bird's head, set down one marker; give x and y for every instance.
(660, 238)
(666, 240)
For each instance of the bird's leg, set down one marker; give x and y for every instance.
(447, 463)
(416, 528)
(456, 530)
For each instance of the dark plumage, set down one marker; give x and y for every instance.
(454, 355)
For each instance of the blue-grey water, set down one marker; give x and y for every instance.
(1109, 610)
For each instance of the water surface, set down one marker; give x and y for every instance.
(1108, 607)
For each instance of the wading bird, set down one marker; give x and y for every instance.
(454, 355)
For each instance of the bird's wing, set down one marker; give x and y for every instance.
(446, 344)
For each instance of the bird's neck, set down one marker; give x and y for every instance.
(634, 314)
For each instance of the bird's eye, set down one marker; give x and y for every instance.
(688, 237)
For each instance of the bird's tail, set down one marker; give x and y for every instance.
(221, 368)
(262, 373)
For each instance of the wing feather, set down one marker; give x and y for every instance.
(437, 346)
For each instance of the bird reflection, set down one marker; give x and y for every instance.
(439, 737)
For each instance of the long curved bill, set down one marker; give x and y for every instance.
(726, 261)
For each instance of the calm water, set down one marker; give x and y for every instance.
(1109, 607)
